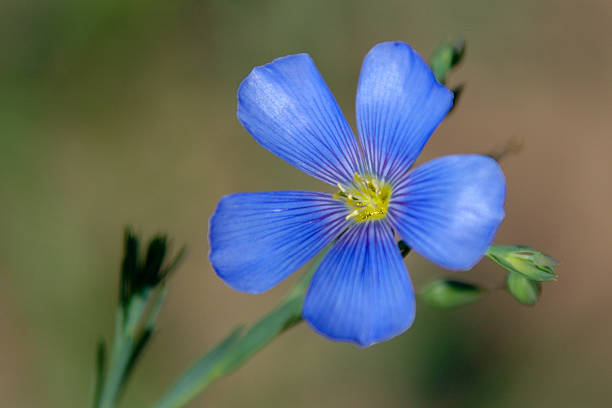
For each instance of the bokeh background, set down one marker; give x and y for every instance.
(123, 112)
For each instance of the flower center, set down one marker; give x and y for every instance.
(367, 197)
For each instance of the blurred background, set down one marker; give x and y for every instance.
(123, 112)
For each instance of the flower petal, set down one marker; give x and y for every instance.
(361, 292)
(448, 210)
(399, 104)
(289, 110)
(258, 239)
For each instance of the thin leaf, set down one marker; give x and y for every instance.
(100, 371)
(173, 265)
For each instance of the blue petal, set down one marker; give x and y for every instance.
(399, 105)
(361, 292)
(258, 239)
(289, 110)
(448, 210)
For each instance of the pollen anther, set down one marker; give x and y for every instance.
(367, 197)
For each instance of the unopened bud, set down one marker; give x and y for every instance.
(523, 289)
(139, 275)
(446, 57)
(524, 260)
(447, 294)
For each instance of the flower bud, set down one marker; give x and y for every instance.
(524, 260)
(447, 294)
(446, 57)
(523, 289)
(140, 275)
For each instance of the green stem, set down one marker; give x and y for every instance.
(100, 371)
(238, 348)
(121, 356)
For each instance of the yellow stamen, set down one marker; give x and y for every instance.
(367, 197)
(353, 214)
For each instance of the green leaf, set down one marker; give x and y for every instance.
(524, 260)
(523, 289)
(447, 294)
(171, 267)
(100, 371)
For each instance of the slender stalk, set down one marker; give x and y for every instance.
(236, 349)
(122, 352)
(100, 371)
(141, 295)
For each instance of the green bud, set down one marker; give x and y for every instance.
(527, 261)
(447, 294)
(138, 274)
(523, 289)
(446, 57)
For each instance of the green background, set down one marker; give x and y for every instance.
(123, 112)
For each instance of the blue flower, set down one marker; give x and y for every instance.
(448, 210)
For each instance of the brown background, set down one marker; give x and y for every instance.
(123, 112)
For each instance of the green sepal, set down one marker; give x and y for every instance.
(448, 294)
(457, 92)
(403, 248)
(524, 260)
